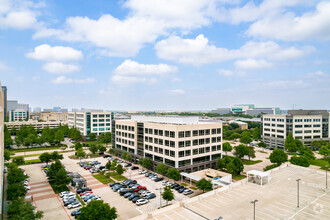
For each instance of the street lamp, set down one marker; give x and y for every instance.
(160, 197)
(254, 208)
(326, 176)
(298, 192)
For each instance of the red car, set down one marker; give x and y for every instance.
(81, 194)
(140, 188)
(87, 168)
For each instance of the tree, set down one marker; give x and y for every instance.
(99, 210)
(241, 150)
(77, 146)
(235, 167)
(262, 144)
(59, 136)
(19, 160)
(13, 130)
(80, 153)
(45, 157)
(7, 137)
(15, 190)
(61, 178)
(221, 164)
(93, 148)
(251, 153)
(325, 152)
(246, 138)
(167, 194)
(48, 135)
(101, 149)
(278, 156)
(300, 161)
(226, 147)
(161, 168)
(204, 184)
(6, 155)
(173, 174)
(19, 209)
(53, 170)
(306, 152)
(92, 137)
(256, 133)
(290, 143)
(105, 138)
(234, 126)
(108, 165)
(56, 156)
(15, 175)
(146, 163)
(113, 165)
(129, 157)
(299, 144)
(119, 169)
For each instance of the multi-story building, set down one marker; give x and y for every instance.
(35, 124)
(186, 143)
(241, 109)
(4, 92)
(12, 105)
(221, 111)
(90, 122)
(257, 111)
(54, 116)
(37, 110)
(18, 115)
(2, 112)
(305, 125)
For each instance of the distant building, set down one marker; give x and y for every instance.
(47, 110)
(241, 109)
(90, 122)
(35, 124)
(305, 125)
(18, 115)
(23, 107)
(2, 144)
(12, 105)
(54, 116)
(37, 110)
(258, 111)
(221, 111)
(4, 92)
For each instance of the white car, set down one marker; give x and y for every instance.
(146, 193)
(66, 197)
(27, 187)
(74, 205)
(86, 195)
(141, 201)
(94, 198)
(65, 193)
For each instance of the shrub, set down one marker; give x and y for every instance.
(271, 166)
(300, 161)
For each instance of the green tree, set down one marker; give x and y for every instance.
(119, 169)
(173, 174)
(15, 175)
(7, 137)
(13, 130)
(161, 168)
(204, 184)
(108, 165)
(59, 136)
(98, 210)
(235, 167)
(290, 143)
(92, 137)
(262, 144)
(78, 145)
(246, 138)
(256, 134)
(299, 144)
(226, 147)
(306, 152)
(278, 156)
(221, 164)
(325, 152)
(252, 153)
(234, 126)
(241, 150)
(48, 135)
(129, 157)
(6, 155)
(113, 165)
(300, 161)
(19, 209)
(80, 153)
(93, 148)
(61, 178)
(19, 160)
(146, 163)
(167, 195)
(45, 157)
(101, 149)
(53, 170)
(15, 190)
(56, 156)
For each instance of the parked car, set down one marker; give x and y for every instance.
(68, 202)
(113, 184)
(178, 188)
(150, 196)
(88, 167)
(86, 192)
(134, 168)
(76, 212)
(74, 205)
(65, 193)
(141, 201)
(136, 199)
(181, 190)
(133, 196)
(128, 194)
(140, 188)
(123, 192)
(94, 198)
(83, 189)
(82, 164)
(188, 192)
(158, 179)
(88, 197)
(69, 196)
(117, 187)
(93, 170)
(128, 165)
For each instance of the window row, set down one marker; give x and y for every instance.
(125, 134)
(101, 125)
(128, 142)
(125, 127)
(102, 116)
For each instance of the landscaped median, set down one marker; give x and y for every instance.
(109, 177)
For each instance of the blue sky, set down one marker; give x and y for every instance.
(166, 54)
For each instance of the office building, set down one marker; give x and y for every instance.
(241, 109)
(186, 143)
(260, 111)
(221, 111)
(90, 122)
(35, 124)
(4, 92)
(37, 110)
(54, 116)
(2, 144)
(47, 110)
(12, 105)
(23, 107)
(305, 125)
(18, 115)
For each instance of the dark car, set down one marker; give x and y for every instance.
(128, 165)
(133, 196)
(69, 201)
(81, 190)
(136, 199)
(123, 192)
(113, 184)
(174, 185)
(158, 179)
(128, 195)
(147, 174)
(150, 196)
(76, 212)
(181, 190)
(178, 188)
(117, 187)
(127, 182)
(134, 168)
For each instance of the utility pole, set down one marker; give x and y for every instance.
(298, 192)
(326, 176)
(254, 208)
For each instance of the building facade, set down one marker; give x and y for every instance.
(90, 122)
(35, 124)
(305, 125)
(4, 92)
(221, 111)
(257, 111)
(186, 143)
(54, 116)
(18, 115)
(2, 144)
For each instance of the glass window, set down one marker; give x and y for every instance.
(195, 151)
(188, 133)
(181, 143)
(188, 153)
(195, 133)
(181, 134)
(181, 153)
(188, 143)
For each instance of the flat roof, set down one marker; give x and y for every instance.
(172, 119)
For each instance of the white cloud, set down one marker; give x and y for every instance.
(286, 84)
(56, 53)
(311, 25)
(131, 72)
(60, 68)
(66, 80)
(252, 64)
(3, 67)
(229, 73)
(177, 92)
(199, 51)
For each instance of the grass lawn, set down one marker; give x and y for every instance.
(251, 162)
(184, 184)
(320, 163)
(80, 200)
(58, 189)
(34, 149)
(103, 179)
(117, 177)
(238, 177)
(33, 161)
(193, 188)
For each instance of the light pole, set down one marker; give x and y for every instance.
(298, 192)
(160, 197)
(326, 176)
(254, 208)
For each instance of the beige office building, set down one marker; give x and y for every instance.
(18, 115)
(54, 116)
(35, 124)
(305, 125)
(186, 143)
(90, 122)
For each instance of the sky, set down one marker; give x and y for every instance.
(166, 54)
